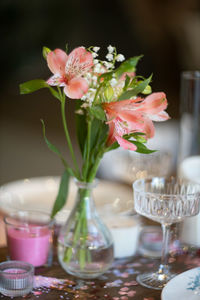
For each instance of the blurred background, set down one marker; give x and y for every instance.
(166, 32)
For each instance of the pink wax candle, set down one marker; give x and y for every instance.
(27, 241)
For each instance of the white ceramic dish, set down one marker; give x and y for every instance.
(112, 202)
(39, 193)
(179, 286)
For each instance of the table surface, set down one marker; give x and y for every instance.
(119, 283)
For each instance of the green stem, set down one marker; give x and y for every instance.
(67, 136)
(86, 164)
(80, 231)
(93, 171)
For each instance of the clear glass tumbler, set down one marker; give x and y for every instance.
(166, 201)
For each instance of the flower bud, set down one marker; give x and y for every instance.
(45, 52)
(147, 90)
(108, 93)
(140, 139)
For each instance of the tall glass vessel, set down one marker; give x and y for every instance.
(189, 146)
(190, 115)
(85, 246)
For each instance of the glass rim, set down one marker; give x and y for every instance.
(166, 179)
(85, 185)
(192, 75)
(16, 264)
(14, 215)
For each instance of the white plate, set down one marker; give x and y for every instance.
(178, 287)
(39, 193)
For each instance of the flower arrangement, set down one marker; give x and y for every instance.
(114, 107)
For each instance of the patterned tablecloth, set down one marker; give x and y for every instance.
(119, 283)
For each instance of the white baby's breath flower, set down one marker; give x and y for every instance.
(88, 75)
(120, 57)
(109, 57)
(103, 70)
(85, 105)
(97, 68)
(89, 98)
(96, 61)
(113, 82)
(94, 79)
(110, 49)
(96, 49)
(108, 65)
(94, 55)
(79, 112)
(84, 97)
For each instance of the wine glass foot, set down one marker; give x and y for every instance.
(155, 280)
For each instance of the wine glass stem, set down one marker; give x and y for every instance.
(165, 248)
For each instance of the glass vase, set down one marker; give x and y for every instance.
(85, 245)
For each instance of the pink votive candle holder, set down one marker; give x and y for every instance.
(29, 237)
(16, 278)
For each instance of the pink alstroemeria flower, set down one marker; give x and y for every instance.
(68, 70)
(134, 115)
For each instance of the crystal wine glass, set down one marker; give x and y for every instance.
(166, 201)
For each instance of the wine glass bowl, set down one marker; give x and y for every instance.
(166, 201)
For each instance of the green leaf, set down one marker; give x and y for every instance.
(128, 66)
(81, 127)
(114, 146)
(138, 89)
(98, 136)
(55, 150)
(127, 81)
(95, 130)
(54, 93)
(62, 194)
(35, 85)
(105, 76)
(141, 148)
(98, 112)
(138, 136)
(32, 86)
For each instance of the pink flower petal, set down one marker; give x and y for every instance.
(55, 80)
(78, 63)
(162, 116)
(131, 293)
(126, 145)
(130, 74)
(149, 129)
(76, 88)
(56, 61)
(129, 283)
(122, 293)
(111, 136)
(153, 104)
(124, 289)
